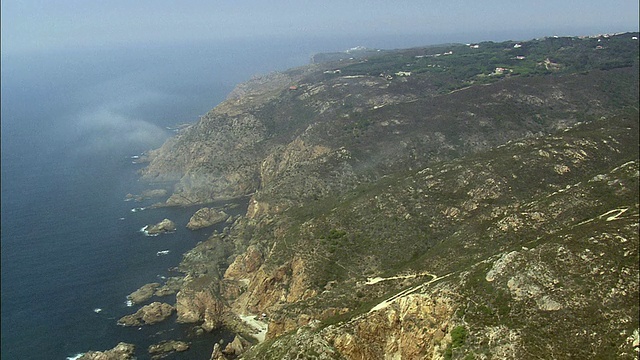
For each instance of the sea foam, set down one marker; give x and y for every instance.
(146, 233)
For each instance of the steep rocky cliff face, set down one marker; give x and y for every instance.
(436, 211)
(199, 301)
(335, 131)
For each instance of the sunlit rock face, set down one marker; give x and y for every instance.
(148, 315)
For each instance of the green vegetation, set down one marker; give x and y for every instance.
(458, 337)
(458, 65)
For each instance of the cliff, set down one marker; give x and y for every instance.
(305, 134)
(422, 203)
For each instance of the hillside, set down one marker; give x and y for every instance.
(456, 201)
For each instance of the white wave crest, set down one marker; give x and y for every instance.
(146, 233)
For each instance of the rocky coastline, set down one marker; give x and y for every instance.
(389, 218)
(203, 308)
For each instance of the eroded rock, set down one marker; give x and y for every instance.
(148, 315)
(122, 351)
(162, 227)
(237, 346)
(397, 329)
(143, 294)
(217, 354)
(167, 347)
(245, 264)
(206, 217)
(198, 301)
(171, 286)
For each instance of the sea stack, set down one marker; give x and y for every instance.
(163, 226)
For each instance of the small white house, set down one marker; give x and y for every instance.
(403, 73)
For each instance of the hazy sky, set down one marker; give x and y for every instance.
(29, 25)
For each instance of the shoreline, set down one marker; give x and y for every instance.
(229, 329)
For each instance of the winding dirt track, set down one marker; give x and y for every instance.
(405, 292)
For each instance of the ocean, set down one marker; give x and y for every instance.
(72, 120)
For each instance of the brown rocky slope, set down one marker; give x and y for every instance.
(391, 219)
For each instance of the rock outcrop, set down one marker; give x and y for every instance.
(162, 227)
(164, 348)
(237, 347)
(122, 351)
(148, 315)
(245, 264)
(198, 301)
(147, 194)
(206, 217)
(171, 286)
(143, 294)
(412, 327)
(217, 354)
(268, 286)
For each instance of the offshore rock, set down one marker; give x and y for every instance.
(206, 217)
(162, 227)
(167, 347)
(122, 351)
(148, 315)
(143, 294)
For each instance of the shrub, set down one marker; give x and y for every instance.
(458, 337)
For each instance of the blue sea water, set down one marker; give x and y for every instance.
(71, 121)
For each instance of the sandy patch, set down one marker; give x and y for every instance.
(260, 327)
